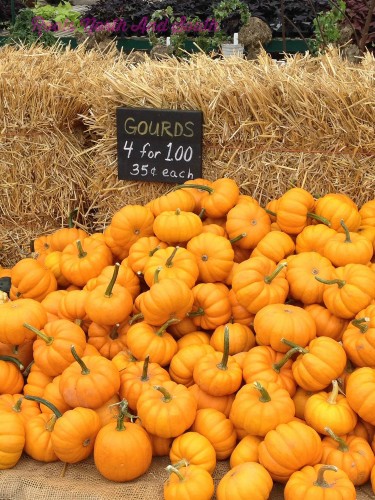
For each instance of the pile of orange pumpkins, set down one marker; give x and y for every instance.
(201, 327)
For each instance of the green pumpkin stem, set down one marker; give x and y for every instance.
(269, 212)
(28, 369)
(237, 238)
(42, 401)
(168, 323)
(156, 274)
(289, 343)
(272, 276)
(13, 360)
(17, 406)
(151, 252)
(135, 318)
(123, 412)
(320, 481)
(43, 336)
(198, 312)
(81, 252)
(338, 282)
(334, 393)
(202, 213)
(169, 261)
(277, 366)
(347, 233)
(223, 365)
(72, 215)
(146, 362)
(15, 349)
(264, 396)
(319, 218)
(85, 370)
(361, 323)
(172, 469)
(166, 395)
(342, 444)
(108, 292)
(201, 187)
(181, 463)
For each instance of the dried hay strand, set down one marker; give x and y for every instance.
(309, 122)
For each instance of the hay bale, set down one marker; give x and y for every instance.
(307, 123)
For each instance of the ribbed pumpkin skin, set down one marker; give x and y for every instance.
(14, 314)
(245, 481)
(122, 455)
(12, 439)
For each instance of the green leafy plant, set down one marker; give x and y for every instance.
(24, 32)
(327, 26)
(60, 14)
(223, 12)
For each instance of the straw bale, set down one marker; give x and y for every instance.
(39, 481)
(307, 123)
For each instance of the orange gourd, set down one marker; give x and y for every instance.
(288, 448)
(250, 220)
(122, 450)
(211, 306)
(260, 407)
(177, 226)
(194, 449)
(258, 282)
(188, 482)
(31, 280)
(322, 482)
(244, 481)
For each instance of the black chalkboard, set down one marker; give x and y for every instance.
(159, 145)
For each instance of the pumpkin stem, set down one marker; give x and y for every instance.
(72, 214)
(151, 252)
(162, 329)
(269, 212)
(279, 268)
(42, 401)
(17, 406)
(144, 376)
(198, 312)
(108, 292)
(85, 370)
(277, 366)
(11, 359)
(361, 323)
(334, 393)
(237, 238)
(81, 252)
(43, 336)
(320, 481)
(202, 213)
(28, 369)
(156, 274)
(136, 317)
(171, 468)
(342, 444)
(338, 282)
(347, 233)
(300, 349)
(319, 218)
(178, 211)
(113, 335)
(181, 463)
(168, 262)
(15, 349)
(264, 396)
(166, 395)
(201, 187)
(223, 365)
(123, 412)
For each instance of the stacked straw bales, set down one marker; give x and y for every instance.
(308, 123)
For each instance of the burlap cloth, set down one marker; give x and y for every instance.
(32, 480)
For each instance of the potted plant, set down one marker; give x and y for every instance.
(223, 12)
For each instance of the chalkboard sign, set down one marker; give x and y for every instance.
(159, 145)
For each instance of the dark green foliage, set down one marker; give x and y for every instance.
(6, 13)
(22, 31)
